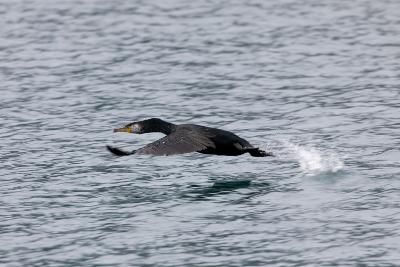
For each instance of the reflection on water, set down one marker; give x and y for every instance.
(219, 188)
(316, 83)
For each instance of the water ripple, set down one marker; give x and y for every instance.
(316, 83)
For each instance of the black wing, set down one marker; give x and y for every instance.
(119, 152)
(179, 142)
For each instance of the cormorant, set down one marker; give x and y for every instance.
(186, 138)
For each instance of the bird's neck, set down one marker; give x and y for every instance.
(165, 127)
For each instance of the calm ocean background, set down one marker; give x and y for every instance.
(315, 82)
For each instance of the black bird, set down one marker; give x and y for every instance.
(186, 138)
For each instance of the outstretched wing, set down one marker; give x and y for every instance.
(179, 142)
(119, 152)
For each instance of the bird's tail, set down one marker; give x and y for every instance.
(256, 152)
(119, 152)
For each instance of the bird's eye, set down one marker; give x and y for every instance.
(136, 128)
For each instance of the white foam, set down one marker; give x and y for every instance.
(313, 161)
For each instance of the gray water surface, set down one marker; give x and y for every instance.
(315, 82)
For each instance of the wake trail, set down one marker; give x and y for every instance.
(312, 160)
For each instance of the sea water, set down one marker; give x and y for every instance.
(317, 83)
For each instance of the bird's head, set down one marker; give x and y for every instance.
(145, 126)
(134, 127)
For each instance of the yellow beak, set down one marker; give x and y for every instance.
(123, 129)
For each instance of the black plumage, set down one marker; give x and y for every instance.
(186, 138)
